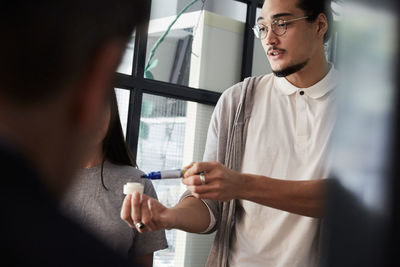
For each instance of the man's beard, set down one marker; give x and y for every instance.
(290, 70)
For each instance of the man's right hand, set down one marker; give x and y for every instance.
(138, 208)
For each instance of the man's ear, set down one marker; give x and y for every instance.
(95, 84)
(322, 25)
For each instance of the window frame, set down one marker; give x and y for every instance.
(138, 85)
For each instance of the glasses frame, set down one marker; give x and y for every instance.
(259, 35)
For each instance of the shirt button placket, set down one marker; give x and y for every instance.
(301, 118)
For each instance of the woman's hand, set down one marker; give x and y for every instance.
(141, 209)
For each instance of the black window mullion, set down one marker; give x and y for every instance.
(133, 124)
(168, 89)
(259, 3)
(139, 59)
(182, 92)
(136, 94)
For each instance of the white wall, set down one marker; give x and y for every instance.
(163, 8)
(228, 8)
(217, 53)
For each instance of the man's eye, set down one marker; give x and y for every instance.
(261, 29)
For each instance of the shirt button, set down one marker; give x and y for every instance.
(301, 92)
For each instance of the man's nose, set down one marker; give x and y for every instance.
(271, 39)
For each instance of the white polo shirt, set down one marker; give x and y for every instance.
(287, 138)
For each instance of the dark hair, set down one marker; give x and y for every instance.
(312, 8)
(115, 148)
(47, 45)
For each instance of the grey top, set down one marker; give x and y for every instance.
(98, 210)
(225, 143)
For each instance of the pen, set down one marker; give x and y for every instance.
(166, 174)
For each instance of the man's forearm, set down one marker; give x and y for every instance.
(300, 197)
(190, 215)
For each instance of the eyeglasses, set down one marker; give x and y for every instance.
(278, 26)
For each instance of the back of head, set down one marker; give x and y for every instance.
(57, 59)
(54, 55)
(46, 45)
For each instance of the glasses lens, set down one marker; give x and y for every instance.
(279, 27)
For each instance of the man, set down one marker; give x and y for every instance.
(267, 149)
(57, 60)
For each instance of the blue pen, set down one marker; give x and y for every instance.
(166, 174)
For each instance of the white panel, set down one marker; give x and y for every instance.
(123, 107)
(217, 53)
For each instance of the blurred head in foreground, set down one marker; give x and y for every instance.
(57, 60)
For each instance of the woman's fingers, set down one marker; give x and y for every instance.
(126, 211)
(143, 213)
(136, 212)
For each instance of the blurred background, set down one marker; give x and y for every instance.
(177, 65)
(363, 211)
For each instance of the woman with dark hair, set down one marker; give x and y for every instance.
(95, 199)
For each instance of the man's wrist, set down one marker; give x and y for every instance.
(171, 219)
(243, 186)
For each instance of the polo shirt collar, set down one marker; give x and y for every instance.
(315, 91)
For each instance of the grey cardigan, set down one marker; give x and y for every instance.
(225, 143)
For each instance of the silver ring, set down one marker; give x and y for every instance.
(202, 178)
(139, 225)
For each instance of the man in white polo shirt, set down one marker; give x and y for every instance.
(266, 154)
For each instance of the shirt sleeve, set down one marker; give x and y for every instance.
(147, 242)
(149, 189)
(212, 141)
(213, 209)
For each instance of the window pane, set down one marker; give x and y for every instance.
(202, 49)
(260, 61)
(123, 106)
(172, 134)
(125, 66)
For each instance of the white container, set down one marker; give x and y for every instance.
(130, 188)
